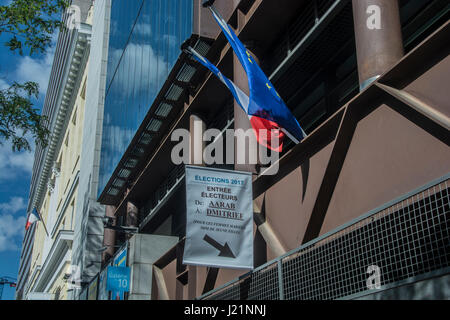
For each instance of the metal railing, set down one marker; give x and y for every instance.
(407, 239)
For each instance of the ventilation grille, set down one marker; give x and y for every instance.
(261, 285)
(407, 240)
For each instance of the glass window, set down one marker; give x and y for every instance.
(145, 39)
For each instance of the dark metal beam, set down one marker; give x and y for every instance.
(354, 112)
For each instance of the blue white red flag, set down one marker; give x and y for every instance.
(32, 218)
(266, 110)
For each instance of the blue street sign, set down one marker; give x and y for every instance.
(120, 261)
(118, 279)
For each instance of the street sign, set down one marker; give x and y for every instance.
(118, 279)
(219, 221)
(120, 261)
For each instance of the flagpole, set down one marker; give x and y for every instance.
(43, 223)
(225, 27)
(290, 136)
(210, 5)
(189, 50)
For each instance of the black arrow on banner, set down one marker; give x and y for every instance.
(225, 250)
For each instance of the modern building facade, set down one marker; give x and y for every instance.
(144, 44)
(368, 186)
(46, 253)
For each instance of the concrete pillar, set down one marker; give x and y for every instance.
(197, 128)
(378, 34)
(196, 144)
(144, 251)
(109, 236)
(132, 216)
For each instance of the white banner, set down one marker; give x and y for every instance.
(219, 222)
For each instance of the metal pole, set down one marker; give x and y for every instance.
(241, 118)
(267, 232)
(280, 279)
(197, 128)
(109, 236)
(378, 36)
(418, 105)
(132, 217)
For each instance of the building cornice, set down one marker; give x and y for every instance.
(58, 251)
(75, 65)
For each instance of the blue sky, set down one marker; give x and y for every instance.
(15, 168)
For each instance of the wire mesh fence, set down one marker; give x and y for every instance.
(405, 239)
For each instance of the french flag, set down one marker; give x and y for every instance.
(269, 116)
(32, 218)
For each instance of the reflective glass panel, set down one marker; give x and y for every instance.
(144, 44)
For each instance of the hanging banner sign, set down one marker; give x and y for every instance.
(118, 279)
(120, 261)
(219, 222)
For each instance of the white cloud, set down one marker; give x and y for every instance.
(151, 67)
(119, 138)
(11, 232)
(171, 40)
(14, 205)
(14, 164)
(37, 69)
(144, 29)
